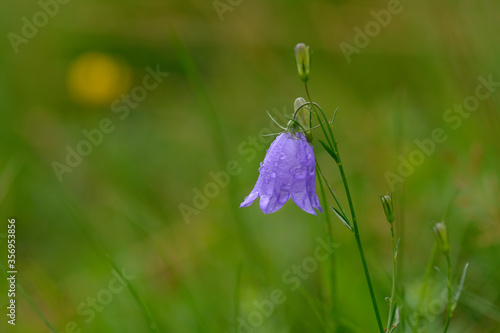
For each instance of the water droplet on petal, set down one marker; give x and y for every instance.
(282, 156)
(299, 172)
(285, 187)
(311, 170)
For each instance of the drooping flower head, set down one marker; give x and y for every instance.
(288, 170)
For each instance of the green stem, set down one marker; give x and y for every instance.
(237, 295)
(360, 247)
(428, 272)
(393, 290)
(450, 300)
(333, 145)
(333, 279)
(400, 225)
(331, 190)
(329, 138)
(152, 325)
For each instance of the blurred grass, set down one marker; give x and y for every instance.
(123, 198)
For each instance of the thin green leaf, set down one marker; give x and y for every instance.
(334, 115)
(275, 121)
(342, 218)
(460, 287)
(395, 320)
(330, 151)
(30, 302)
(313, 303)
(330, 189)
(397, 248)
(139, 299)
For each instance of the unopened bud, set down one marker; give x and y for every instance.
(303, 62)
(388, 207)
(303, 116)
(442, 237)
(303, 113)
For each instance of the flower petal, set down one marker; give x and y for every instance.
(267, 178)
(288, 170)
(249, 199)
(283, 179)
(311, 178)
(303, 191)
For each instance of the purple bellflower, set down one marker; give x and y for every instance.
(288, 170)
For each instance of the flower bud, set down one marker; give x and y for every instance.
(303, 116)
(442, 237)
(388, 207)
(303, 113)
(303, 62)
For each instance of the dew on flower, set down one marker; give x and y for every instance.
(288, 170)
(299, 172)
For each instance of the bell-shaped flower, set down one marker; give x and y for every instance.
(288, 170)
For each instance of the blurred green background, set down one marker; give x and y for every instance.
(122, 203)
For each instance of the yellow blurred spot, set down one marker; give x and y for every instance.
(97, 79)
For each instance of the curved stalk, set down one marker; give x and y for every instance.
(393, 289)
(333, 145)
(360, 248)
